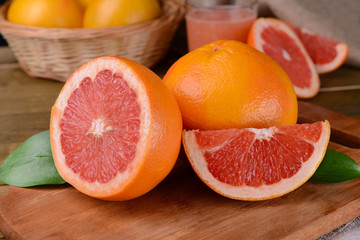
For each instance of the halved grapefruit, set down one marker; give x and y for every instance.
(327, 53)
(276, 39)
(257, 164)
(115, 129)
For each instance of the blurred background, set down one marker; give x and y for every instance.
(2, 41)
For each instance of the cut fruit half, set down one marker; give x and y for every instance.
(115, 129)
(276, 39)
(257, 164)
(327, 53)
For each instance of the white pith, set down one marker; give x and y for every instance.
(98, 127)
(286, 55)
(262, 133)
(91, 69)
(261, 192)
(260, 25)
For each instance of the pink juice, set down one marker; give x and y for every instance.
(226, 23)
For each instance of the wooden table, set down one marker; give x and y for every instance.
(25, 102)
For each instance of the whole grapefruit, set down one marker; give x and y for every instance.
(112, 13)
(85, 3)
(46, 13)
(228, 84)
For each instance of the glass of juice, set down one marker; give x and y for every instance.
(210, 20)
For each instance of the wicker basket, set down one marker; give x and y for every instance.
(55, 53)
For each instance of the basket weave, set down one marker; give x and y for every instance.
(55, 53)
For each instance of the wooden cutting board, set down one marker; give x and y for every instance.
(182, 207)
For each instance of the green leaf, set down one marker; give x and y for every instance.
(31, 163)
(336, 167)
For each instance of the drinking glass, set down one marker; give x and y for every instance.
(210, 20)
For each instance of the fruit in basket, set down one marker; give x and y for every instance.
(85, 3)
(115, 129)
(46, 13)
(276, 39)
(227, 84)
(327, 53)
(257, 164)
(112, 13)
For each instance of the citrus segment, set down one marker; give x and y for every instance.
(327, 53)
(227, 84)
(115, 129)
(278, 40)
(257, 164)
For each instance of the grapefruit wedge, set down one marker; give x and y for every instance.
(257, 164)
(115, 129)
(327, 53)
(276, 39)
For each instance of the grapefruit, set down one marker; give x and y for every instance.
(227, 84)
(257, 164)
(276, 39)
(115, 129)
(85, 3)
(112, 13)
(46, 13)
(327, 53)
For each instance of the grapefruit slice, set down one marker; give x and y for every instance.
(276, 39)
(257, 164)
(115, 129)
(327, 53)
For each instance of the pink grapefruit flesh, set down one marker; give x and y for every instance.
(277, 40)
(106, 130)
(327, 53)
(257, 164)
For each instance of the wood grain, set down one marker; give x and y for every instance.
(181, 207)
(344, 129)
(346, 102)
